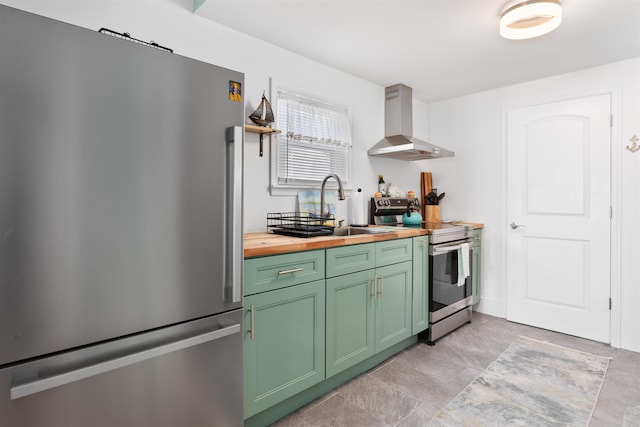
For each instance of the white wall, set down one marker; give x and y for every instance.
(473, 126)
(171, 23)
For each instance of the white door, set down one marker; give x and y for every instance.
(558, 231)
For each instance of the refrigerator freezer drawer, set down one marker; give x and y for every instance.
(186, 375)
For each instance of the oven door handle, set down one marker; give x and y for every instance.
(441, 249)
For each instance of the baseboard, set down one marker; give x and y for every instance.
(491, 307)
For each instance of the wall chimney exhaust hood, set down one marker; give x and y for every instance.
(399, 142)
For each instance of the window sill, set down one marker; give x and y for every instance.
(281, 190)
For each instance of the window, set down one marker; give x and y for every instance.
(315, 141)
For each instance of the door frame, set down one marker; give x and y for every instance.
(615, 94)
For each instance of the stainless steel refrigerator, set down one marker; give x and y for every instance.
(120, 232)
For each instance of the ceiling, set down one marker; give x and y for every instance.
(440, 48)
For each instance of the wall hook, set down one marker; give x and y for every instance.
(634, 146)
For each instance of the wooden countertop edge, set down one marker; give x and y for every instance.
(261, 244)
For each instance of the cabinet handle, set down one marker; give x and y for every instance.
(375, 287)
(293, 270)
(381, 291)
(252, 326)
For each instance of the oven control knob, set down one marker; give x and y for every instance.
(380, 203)
(387, 203)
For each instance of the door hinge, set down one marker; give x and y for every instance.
(610, 120)
(610, 212)
(610, 304)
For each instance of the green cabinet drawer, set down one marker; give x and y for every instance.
(284, 344)
(279, 271)
(393, 251)
(349, 259)
(477, 237)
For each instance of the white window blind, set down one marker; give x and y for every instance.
(315, 140)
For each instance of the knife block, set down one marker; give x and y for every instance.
(432, 213)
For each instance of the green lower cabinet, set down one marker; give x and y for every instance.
(420, 301)
(367, 312)
(393, 305)
(350, 325)
(476, 260)
(284, 344)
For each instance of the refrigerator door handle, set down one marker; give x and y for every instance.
(234, 237)
(34, 387)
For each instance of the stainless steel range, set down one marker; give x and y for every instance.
(450, 291)
(389, 210)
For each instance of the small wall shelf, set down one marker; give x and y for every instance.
(260, 130)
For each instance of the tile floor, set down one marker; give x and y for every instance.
(411, 387)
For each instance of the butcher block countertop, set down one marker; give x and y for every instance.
(262, 243)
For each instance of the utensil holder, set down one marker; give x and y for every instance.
(432, 213)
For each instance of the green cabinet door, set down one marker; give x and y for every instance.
(284, 336)
(420, 300)
(393, 304)
(367, 312)
(350, 337)
(476, 260)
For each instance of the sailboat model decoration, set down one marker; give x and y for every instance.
(263, 116)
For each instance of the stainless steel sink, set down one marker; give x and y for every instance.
(354, 231)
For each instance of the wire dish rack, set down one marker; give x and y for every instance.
(299, 224)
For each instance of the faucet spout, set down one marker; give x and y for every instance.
(340, 193)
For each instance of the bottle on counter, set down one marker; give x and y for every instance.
(381, 186)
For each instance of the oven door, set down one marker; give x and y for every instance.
(447, 294)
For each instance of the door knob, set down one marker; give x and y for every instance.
(515, 226)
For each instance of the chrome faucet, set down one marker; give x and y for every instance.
(340, 193)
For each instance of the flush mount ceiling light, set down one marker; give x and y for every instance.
(530, 18)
